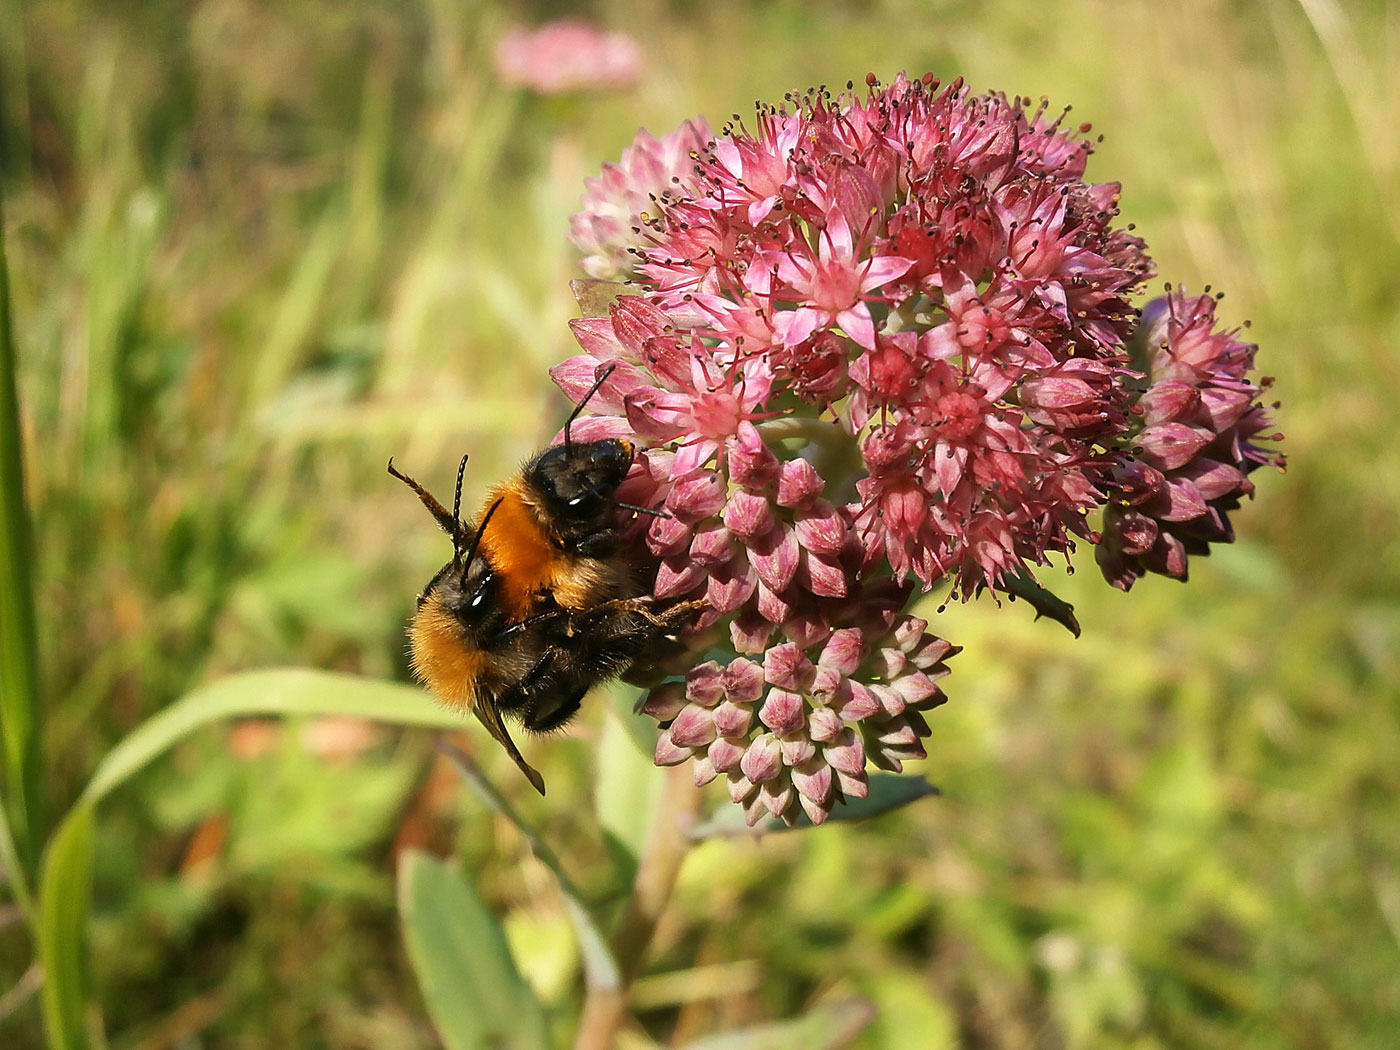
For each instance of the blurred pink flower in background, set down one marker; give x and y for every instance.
(568, 55)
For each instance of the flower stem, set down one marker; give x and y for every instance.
(605, 1008)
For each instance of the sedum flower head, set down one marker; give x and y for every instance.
(877, 342)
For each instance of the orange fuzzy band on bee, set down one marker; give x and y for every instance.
(519, 550)
(528, 562)
(449, 668)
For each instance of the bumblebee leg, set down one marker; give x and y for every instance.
(547, 695)
(555, 708)
(601, 544)
(490, 717)
(489, 714)
(671, 618)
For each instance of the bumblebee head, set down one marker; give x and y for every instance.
(466, 588)
(576, 481)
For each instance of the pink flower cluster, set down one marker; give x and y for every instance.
(1195, 448)
(878, 338)
(798, 730)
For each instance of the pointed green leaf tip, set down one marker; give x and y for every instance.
(1044, 602)
(471, 987)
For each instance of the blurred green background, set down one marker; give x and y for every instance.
(257, 247)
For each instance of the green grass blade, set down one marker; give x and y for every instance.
(19, 654)
(13, 867)
(599, 965)
(65, 890)
(474, 993)
(287, 691)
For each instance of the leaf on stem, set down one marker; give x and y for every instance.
(65, 893)
(599, 966)
(1044, 602)
(287, 691)
(473, 991)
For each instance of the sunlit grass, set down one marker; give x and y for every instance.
(256, 250)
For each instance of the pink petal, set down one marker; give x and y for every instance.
(748, 516)
(668, 753)
(882, 269)
(725, 755)
(743, 681)
(693, 727)
(774, 557)
(704, 685)
(858, 324)
(676, 576)
(1171, 445)
(733, 720)
(783, 711)
(824, 577)
(763, 760)
(730, 586)
(823, 724)
(787, 667)
(844, 651)
(798, 483)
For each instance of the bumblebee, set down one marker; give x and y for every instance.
(539, 603)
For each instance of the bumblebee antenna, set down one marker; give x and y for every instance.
(450, 523)
(476, 540)
(584, 400)
(457, 512)
(653, 511)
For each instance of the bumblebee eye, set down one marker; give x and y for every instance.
(479, 596)
(582, 501)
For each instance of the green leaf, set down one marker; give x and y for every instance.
(20, 707)
(473, 991)
(600, 967)
(595, 298)
(627, 789)
(288, 691)
(65, 889)
(828, 1027)
(887, 792)
(1044, 602)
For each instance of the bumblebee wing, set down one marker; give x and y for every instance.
(491, 719)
